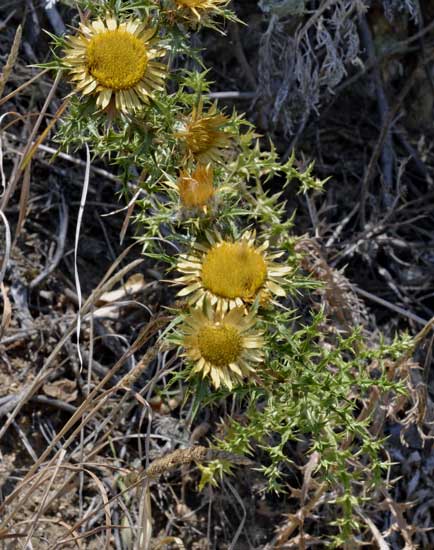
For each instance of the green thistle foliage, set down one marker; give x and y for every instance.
(311, 393)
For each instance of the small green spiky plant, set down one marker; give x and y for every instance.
(198, 175)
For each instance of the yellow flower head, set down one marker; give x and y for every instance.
(201, 7)
(202, 134)
(231, 274)
(224, 347)
(196, 189)
(115, 63)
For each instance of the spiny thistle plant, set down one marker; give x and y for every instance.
(202, 187)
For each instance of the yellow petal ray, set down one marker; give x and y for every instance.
(236, 369)
(104, 98)
(189, 289)
(98, 25)
(215, 376)
(111, 23)
(276, 289)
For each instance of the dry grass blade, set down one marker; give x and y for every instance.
(3, 24)
(243, 519)
(7, 311)
(75, 539)
(393, 307)
(61, 243)
(28, 157)
(405, 530)
(130, 209)
(7, 69)
(5, 534)
(39, 480)
(2, 171)
(24, 198)
(105, 500)
(158, 467)
(22, 87)
(145, 519)
(21, 495)
(35, 519)
(295, 520)
(379, 539)
(7, 252)
(77, 238)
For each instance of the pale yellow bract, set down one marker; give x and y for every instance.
(196, 189)
(231, 273)
(199, 7)
(202, 135)
(224, 347)
(115, 63)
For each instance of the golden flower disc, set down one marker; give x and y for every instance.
(204, 136)
(117, 59)
(234, 270)
(199, 137)
(220, 345)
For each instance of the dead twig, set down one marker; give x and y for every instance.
(387, 153)
(392, 307)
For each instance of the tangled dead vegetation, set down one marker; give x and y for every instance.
(300, 64)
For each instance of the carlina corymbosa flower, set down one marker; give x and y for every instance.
(231, 273)
(201, 7)
(196, 189)
(202, 134)
(115, 62)
(225, 347)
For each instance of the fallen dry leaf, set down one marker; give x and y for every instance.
(64, 390)
(134, 284)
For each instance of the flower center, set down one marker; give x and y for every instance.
(199, 137)
(234, 270)
(220, 344)
(117, 59)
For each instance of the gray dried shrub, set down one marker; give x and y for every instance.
(391, 7)
(305, 53)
